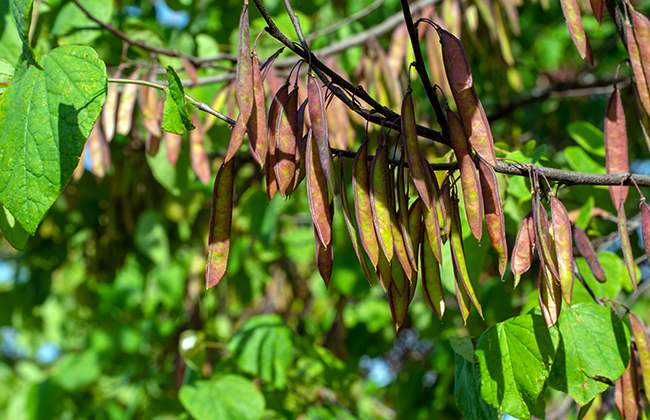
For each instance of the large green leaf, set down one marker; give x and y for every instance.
(228, 397)
(13, 232)
(467, 391)
(594, 345)
(73, 26)
(263, 347)
(175, 115)
(22, 11)
(46, 117)
(589, 137)
(515, 359)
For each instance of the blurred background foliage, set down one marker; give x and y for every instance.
(104, 314)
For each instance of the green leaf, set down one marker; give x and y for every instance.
(73, 26)
(175, 116)
(13, 231)
(588, 137)
(76, 371)
(515, 360)
(228, 397)
(594, 344)
(45, 119)
(467, 391)
(463, 346)
(585, 213)
(22, 11)
(151, 239)
(263, 347)
(580, 161)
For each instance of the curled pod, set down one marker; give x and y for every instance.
(586, 249)
(522, 252)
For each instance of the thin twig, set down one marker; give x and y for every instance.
(296, 25)
(148, 47)
(341, 23)
(422, 70)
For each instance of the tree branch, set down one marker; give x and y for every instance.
(422, 70)
(171, 53)
(352, 18)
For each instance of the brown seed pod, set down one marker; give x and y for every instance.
(638, 44)
(626, 390)
(616, 153)
(472, 192)
(456, 63)
(286, 141)
(494, 220)
(598, 6)
(318, 118)
(543, 237)
(412, 150)
(403, 216)
(148, 104)
(198, 156)
(415, 225)
(384, 272)
(274, 112)
(431, 280)
(642, 342)
(257, 124)
(398, 301)
(571, 11)
(324, 259)
(127, 104)
(645, 228)
(522, 252)
(109, 110)
(173, 144)
(356, 244)
(380, 201)
(319, 203)
(220, 224)
(362, 204)
(461, 296)
(588, 252)
(626, 246)
(548, 293)
(244, 77)
(563, 241)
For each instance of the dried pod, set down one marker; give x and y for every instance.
(198, 156)
(318, 118)
(286, 141)
(458, 255)
(244, 77)
(543, 238)
(173, 144)
(403, 216)
(476, 125)
(398, 301)
(384, 272)
(410, 141)
(362, 204)
(472, 192)
(645, 229)
(598, 6)
(415, 225)
(642, 341)
(356, 244)
(127, 104)
(380, 200)
(220, 224)
(638, 46)
(563, 247)
(586, 249)
(319, 203)
(550, 301)
(494, 220)
(616, 154)
(148, 104)
(257, 124)
(431, 280)
(461, 296)
(109, 110)
(522, 253)
(152, 144)
(626, 246)
(191, 71)
(324, 259)
(571, 11)
(275, 112)
(626, 390)
(456, 63)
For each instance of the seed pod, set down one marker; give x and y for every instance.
(638, 46)
(431, 280)
(456, 63)
(571, 11)
(148, 103)
(563, 247)
(191, 71)
(445, 207)
(415, 225)
(319, 203)
(324, 259)
(543, 237)
(362, 204)
(318, 118)
(626, 390)
(597, 6)
(274, 112)
(476, 125)
(244, 79)
(461, 296)
(432, 227)
(220, 223)
(616, 154)
(286, 141)
(412, 150)
(379, 200)
(642, 347)
(301, 147)
(522, 253)
(152, 144)
(472, 193)
(351, 228)
(494, 221)
(173, 144)
(588, 252)
(218, 102)
(399, 302)
(458, 255)
(127, 103)
(548, 294)
(198, 157)
(98, 152)
(257, 124)
(399, 242)
(626, 246)
(109, 111)
(645, 229)
(267, 65)
(403, 216)
(384, 272)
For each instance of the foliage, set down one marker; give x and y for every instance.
(109, 220)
